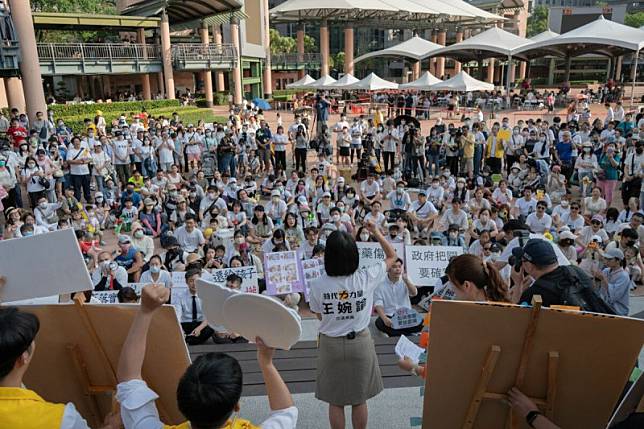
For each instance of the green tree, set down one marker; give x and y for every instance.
(634, 19)
(281, 44)
(338, 61)
(538, 21)
(309, 45)
(95, 7)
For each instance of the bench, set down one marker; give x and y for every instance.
(298, 365)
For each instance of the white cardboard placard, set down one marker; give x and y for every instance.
(42, 265)
(426, 264)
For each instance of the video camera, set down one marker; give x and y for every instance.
(523, 236)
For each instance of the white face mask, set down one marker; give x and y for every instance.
(335, 217)
(453, 235)
(42, 205)
(435, 185)
(564, 204)
(364, 237)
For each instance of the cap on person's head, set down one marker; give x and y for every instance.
(614, 253)
(453, 227)
(597, 218)
(98, 194)
(461, 180)
(305, 208)
(340, 179)
(148, 202)
(181, 199)
(436, 236)
(537, 251)
(172, 187)
(567, 235)
(301, 199)
(40, 152)
(275, 193)
(136, 226)
(596, 239)
(326, 194)
(124, 239)
(423, 193)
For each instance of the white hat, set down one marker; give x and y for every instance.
(567, 235)
(596, 238)
(275, 193)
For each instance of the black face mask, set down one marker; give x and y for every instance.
(639, 150)
(129, 191)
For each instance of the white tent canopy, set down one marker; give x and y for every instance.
(415, 48)
(378, 9)
(305, 82)
(462, 82)
(545, 35)
(372, 83)
(423, 83)
(492, 43)
(322, 82)
(600, 36)
(345, 80)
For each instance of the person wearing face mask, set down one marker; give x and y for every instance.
(453, 237)
(141, 242)
(514, 147)
(399, 199)
(632, 178)
(34, 178)
(8, 181)
(566, 244)
(46, 214)
(156, 274)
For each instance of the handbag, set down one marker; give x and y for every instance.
(44, 182)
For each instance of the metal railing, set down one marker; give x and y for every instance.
(199, 52)
(97, 51)
(294, 60)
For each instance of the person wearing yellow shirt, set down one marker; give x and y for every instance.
(467, 145)
(20, 407)
(209, 391)
(494, 151)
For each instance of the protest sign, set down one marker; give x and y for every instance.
(283, 273)
(372, 253)
(312, 269)
(58, 266)
(426, 264)
(406, 318)
(178, 278)
(106, 296)
(248, 275)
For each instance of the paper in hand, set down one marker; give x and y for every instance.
(405, 348)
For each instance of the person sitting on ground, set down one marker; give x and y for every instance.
(209, 391)
(394, 293)
(190, 310)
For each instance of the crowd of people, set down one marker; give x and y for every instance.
(149, 196)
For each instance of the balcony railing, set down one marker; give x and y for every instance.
(197, 52)
(9, 55)
(286, 61)
(97, 51)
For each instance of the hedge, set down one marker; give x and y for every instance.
(218, 99)
(89, 110)
(188, 114)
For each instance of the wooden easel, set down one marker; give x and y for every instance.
(481, 393)
(93, 390)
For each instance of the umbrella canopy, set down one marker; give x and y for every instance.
(372, 83)
(599, 36)
(345, 80)
(398, 11)
(261, 104)
(305, 82)
(322, 82)
(414, 48)
(462, 82)
(408, 120)
(422, 83)
(492, 43)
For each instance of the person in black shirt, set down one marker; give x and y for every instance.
(539, 261)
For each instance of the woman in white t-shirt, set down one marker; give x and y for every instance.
(280, 140)
(31, 175)
(347, 369)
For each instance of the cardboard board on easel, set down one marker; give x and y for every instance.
(77, 352)
(592, 356)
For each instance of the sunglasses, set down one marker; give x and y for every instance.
(595, 222)
(574, 208)
(541, 208)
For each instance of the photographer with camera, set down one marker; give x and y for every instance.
(556, 284)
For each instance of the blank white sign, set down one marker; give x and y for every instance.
(42, 265)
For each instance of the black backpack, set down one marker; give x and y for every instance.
(576, 290)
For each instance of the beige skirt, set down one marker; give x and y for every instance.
(347, 370)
